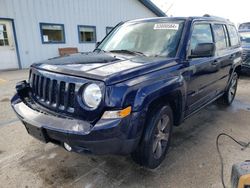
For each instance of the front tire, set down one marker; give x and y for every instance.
(230, 93)
(156, 138)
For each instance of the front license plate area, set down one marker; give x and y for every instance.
(36, 132)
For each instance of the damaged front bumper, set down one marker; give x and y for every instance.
(107, 136)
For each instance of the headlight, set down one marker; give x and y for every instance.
(92, 95)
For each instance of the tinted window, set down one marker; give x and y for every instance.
(201, 34)
(219, 35)
(234, 39)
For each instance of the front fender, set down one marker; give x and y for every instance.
(140, 91)
(158, 89)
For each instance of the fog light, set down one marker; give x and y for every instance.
(67, 146)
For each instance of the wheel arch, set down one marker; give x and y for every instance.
(174, 100)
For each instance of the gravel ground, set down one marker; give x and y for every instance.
(191, 162)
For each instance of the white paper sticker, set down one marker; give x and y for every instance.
(170, 26)
(45, 38)
(1, 27)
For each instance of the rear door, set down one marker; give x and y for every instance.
(235, 46)
(204, 70)
(223, 56)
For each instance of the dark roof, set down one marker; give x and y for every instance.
(151, 6)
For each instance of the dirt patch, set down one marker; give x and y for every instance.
(5, 100)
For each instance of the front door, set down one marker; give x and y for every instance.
(8, 55)
(202, 84)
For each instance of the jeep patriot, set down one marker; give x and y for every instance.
(143, 78)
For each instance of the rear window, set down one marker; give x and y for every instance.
(233, 34)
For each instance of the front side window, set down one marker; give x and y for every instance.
(52, 33)
(87, 34)
(148, 38)
(245, 37)
(201, 34)
(234, 38)
(220, 37)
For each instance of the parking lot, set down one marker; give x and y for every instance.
(191, 162)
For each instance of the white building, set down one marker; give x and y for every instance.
(33, 30)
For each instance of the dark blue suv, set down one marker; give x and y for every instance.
(142, 79)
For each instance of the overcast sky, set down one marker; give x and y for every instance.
(237, 11)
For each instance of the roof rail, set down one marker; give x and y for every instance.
(208, 15)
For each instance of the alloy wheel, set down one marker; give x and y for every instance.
(161, 136)
(232, 89)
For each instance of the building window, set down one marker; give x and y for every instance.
(87, 34)
(108, 29)
(4, 40)
(52, 33)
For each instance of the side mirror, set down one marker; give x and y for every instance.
(203, 50)
(97, 44)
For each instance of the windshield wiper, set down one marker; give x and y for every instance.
(127, 51)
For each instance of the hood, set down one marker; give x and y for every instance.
(107, 67)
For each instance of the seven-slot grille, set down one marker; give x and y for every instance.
(245, 55)
(53, 93)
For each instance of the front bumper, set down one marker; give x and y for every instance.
(113, 136)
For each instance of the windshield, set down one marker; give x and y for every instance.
(245, 37)
(147, 38)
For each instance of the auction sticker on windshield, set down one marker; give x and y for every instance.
(171, 26)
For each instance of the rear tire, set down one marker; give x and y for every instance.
(156, 138)
(230, 93)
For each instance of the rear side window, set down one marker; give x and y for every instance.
(220, 36)
(234, 38)
(201, 34)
